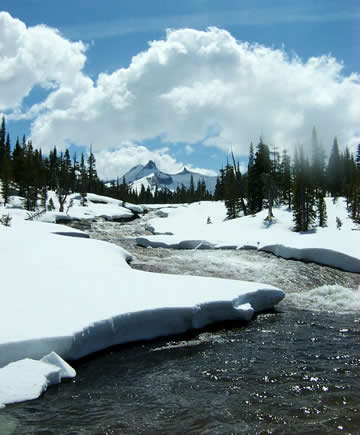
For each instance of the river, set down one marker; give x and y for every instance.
(294, 370)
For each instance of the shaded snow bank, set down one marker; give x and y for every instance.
(324, 256)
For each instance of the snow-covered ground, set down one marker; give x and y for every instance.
(186, 228)
(65, 297)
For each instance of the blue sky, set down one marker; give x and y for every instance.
(115, 31)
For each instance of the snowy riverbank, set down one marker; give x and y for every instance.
(74, 296)
(186, 228)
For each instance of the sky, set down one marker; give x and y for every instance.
(181, 83)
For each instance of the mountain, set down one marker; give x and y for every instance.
(150, 175)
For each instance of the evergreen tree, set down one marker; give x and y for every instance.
(220, 186)
(317, 163)
(2, 142)
(357, 160)
(6, 171)
(335, 170)
(191, 191)
(285, 179)
(321, 210)
(63, 185)
(91, 173)
(231, 204)
(262, 165)
(83, 183)
(304, 213)
(251, 180)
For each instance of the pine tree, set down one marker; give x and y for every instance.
(6, 171)
(285, 179)
(321, 210)
(220, 186)
(83, 183)
(2, 142)
(230, 193)
(251, 180)
(335, 170)
(304, 213)
(191, 191)
(357, 160)
(262, 165)
(317, 163)
(91, 173)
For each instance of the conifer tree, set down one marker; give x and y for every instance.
(83, 183)
(232, 209)
(285, 179)
(304, 213)
(335, 170)
(6, 171)
(317, 163)
(2, 142)
(219, 188)
(251, 180)
(262, 165)
(191, 191)
(321, 210)
(357, 160)
(91, 172)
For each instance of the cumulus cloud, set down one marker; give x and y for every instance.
(40, 56)
(194, 87)
(112, 163)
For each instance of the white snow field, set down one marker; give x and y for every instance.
(186, 228)
(97, 206)
(66, 297)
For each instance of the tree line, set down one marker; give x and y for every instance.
(272, 178)
(26, 172)
(301, 184)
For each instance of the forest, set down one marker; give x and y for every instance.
(272, 178)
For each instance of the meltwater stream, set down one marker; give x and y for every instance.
(295, 370)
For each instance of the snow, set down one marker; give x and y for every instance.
(186, 228)
(72, 296)
(97, 206)
(27, 379)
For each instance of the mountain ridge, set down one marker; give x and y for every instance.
(150, 175)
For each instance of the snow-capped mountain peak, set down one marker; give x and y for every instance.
(151, 175)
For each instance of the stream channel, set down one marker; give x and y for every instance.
(293, 370)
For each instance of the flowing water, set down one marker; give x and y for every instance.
(294, 370)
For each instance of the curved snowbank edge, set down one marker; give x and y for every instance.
(327, 257)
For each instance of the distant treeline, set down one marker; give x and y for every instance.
(271, 179)
(26, 172)
(301, 184)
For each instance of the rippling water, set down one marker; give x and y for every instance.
(296, 370)
(287, 372)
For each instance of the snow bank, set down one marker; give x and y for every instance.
(74, 296)
(97, 206)
(28, 379)
(186, 228)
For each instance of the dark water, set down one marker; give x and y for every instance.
(287, 372)
(295, 370)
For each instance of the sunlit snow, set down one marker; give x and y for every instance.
(186, 228)
(74, 296)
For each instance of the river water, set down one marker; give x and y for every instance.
(294, 370)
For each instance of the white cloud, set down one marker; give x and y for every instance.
(38, 55)
(189, 149)
(194, 87)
